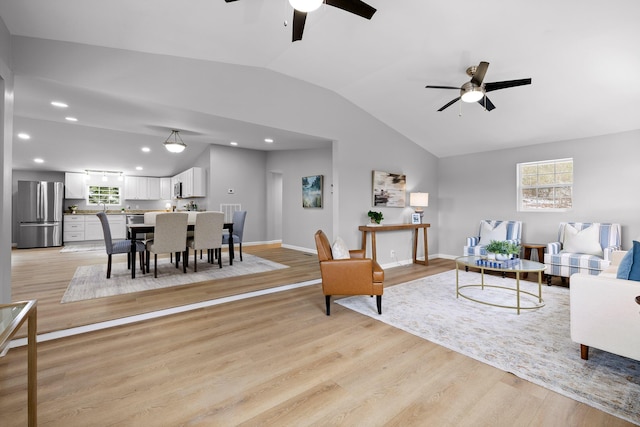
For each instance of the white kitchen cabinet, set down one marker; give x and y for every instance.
(193, 182)
(73, 226)
(78, 228)
(75, 185)
(166, 189)
(92, 228)
(153, 189)
(141, 188)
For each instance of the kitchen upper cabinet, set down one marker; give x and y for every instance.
(141, 188)
(166, 189)
(193, 183)
(75, 185)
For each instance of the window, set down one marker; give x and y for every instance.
(107, 195)
(545, 186)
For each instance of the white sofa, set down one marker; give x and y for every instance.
(604, 312)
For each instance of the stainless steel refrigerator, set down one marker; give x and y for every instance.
(40, 206)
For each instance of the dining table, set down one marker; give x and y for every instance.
(136, 230)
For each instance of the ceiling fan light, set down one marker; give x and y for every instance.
(173, 145)
(471, 92)
(305, 5)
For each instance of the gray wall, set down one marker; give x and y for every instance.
(483, 186)
(6, 155)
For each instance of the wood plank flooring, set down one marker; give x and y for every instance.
(273, 360)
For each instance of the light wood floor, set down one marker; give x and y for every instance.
(270, 360)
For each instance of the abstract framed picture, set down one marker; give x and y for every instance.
(312, 191)
(389, 189)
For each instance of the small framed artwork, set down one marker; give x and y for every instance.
(312, 191)
(415, 219)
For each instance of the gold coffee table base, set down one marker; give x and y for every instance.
(523, 266)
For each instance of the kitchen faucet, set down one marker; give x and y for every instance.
(104, 206)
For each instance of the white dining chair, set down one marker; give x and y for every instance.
(207, 234)
(169, 236)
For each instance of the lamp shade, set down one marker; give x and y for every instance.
(305, 5)
(420, 200)
(471, 92)
(174, 143)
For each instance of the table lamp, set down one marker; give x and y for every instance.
(419, 201)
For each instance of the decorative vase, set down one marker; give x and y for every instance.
(502, 257)
(491, 256)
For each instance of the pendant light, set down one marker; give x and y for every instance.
(175, 145)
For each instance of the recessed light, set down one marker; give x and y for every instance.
(59, 104)
(38, 160)
(138, 168)
(233, 143)
(24, 136)
(71, 119)
(268, 140)
(146, 149)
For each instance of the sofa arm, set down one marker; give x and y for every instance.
(473, 241)
(604, 314)
(347, 277)
(609, 250)
(554, 248)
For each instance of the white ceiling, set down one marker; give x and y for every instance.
(582, 56)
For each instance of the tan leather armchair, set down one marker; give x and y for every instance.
(354, 276)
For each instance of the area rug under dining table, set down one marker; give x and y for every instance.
(91, 281)
(535, 345)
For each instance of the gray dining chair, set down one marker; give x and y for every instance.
(238, 230)
(118, 247)
(169, 236)
(207, 235)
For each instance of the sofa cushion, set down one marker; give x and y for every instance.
(488, 232)
(339, 250)
(585, 241)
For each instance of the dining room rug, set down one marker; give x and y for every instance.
(82, 247)
(90, 281)
(535, 345)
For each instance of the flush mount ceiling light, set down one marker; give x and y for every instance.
(305, 5)
(174, 143)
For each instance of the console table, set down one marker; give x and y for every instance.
(395, 227)
(12, 316)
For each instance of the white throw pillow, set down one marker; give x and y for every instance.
(586, 241)
(488, 232)
(339, 249)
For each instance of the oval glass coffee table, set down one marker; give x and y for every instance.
(518, 266)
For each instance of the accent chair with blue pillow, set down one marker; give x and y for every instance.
(489, 230)
(582, 247)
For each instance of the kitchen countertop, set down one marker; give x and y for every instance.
(112, 212)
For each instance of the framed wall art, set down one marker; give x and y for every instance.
(312, 191)
(389, 189)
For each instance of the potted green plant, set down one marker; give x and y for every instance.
(73, 208)
(376, 217)
(502, 249)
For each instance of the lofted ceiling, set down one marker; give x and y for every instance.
(581, 55)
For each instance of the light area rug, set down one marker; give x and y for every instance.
(91, 281)
(535, 345)
(82, 247)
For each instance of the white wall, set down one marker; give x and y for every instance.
(483, 186)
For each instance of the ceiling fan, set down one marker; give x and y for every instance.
(302, 7)
(475, 89)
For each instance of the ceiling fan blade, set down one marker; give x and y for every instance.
(488, 87)
(442, 87)
(356, 7)
(299, 18)
(481, 70)
(229, 1)
(449, 104)
(486, 103)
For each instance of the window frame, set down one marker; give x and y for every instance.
(105, 196)
(556, 184)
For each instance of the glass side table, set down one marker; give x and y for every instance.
(12, 316)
